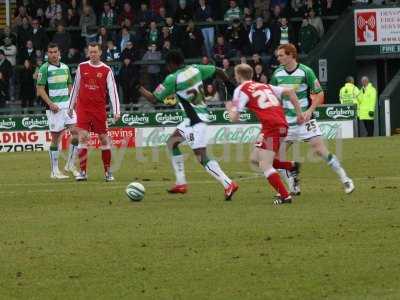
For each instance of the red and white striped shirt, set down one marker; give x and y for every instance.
(91, 85)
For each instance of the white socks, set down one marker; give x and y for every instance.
(54, 161)
(73, 150)
(213, 168)
(334, 163)
(179, 168)
(288, 179)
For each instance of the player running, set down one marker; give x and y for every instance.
(54, 86)
(187, 82)
(264, 101)
(94, 80)
(310, 94)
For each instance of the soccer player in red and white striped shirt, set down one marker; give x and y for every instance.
(94, 80)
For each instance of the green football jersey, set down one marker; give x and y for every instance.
(187, 84)
(56, 79)
(303, 81)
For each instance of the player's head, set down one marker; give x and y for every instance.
(174, 60)
(243, 72)
(287, 54)
(53, 53)
(94, 51)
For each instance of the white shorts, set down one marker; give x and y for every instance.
(59, 120)
(303, 132)
(195, 136)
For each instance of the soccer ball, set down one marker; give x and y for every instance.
(135, 191)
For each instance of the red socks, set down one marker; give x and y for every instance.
(106, 157)
(275, 180)
(286, 165)
(82, 153)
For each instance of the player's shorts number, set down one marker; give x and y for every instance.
(265, 98)
(311, 125)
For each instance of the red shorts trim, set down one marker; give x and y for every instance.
(92, 122)
(271, 139)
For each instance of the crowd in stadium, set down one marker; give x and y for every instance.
(136, 35)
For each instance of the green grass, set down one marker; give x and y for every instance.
(67, 240)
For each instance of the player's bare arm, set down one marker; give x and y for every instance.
(148, 95)
(289, 92)
(316, 100)
(234, 115)
(41, 92)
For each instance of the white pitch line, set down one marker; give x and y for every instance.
(113, 186)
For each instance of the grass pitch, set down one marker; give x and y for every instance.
(68, 240)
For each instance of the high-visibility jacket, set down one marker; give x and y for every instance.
(348, 94)
(367, 102)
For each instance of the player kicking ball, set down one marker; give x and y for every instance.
(94, 81)
(186, 81)
(310, 94)
(264, 101)
(55, 77)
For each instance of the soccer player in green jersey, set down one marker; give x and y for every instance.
(310, 94)
(54, 85)
(186, 81)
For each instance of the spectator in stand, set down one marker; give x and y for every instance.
(234, 12)
(145, 15)
(161, 16)
(72, 18)
(27, 84)
(228, 69)
(27, 53)
(127, 13)
(123, 39)
(276, 15)
(153, 70)
(316, 21)
(203, 13)
(6, 70)
(153, 35)
(8, 34)
(128, 77)
(221, 49)
(112, 53)
(21, 13)
(108, 17)
(205, 60)
(39, 36)
(193, 41)
(165, 48)
(281, 3)
(130, 52)
(10, 51)
(3, 91)
(282, 33)
(313, 5)
(87, 23)
(62, 39)
(260, 37)
(308, 37)
(52, 10)
(236, 36)
(184, 13)
(211, 94)
(261, 8)
(156, 5)
(259, 75)
(297, 8)
(165, 35)
(256, 60)
(175, 33)
(41, 16)
(73, 56)
(243, 60)
(24, 33)
(329, 8)
(103, 37)
(115, 7)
